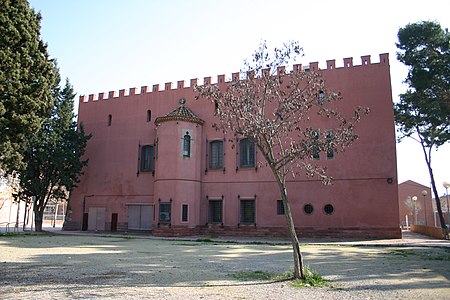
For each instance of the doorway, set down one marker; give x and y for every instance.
(140, 217)
(96, 219)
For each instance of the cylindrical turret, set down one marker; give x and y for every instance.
(178, 168)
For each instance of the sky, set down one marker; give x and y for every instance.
(106, 45)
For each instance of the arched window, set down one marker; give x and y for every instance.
(321, 98)
(149, 115)
(315, 134)
(187, 145)
(109, 120)
(216, 107)
(330, 143)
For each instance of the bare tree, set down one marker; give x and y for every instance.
(274, 110)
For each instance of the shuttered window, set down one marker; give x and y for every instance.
(147, 158)
(165, 212)
(216, 155)
(248, 211)
(247, 153)
(215, 211)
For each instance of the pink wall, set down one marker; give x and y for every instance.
(364, 194)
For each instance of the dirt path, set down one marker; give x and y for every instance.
(89, 267)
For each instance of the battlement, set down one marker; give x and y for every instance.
(168, 86)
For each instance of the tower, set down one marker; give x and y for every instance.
(177, 187)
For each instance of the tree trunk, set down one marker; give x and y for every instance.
(38, 219)
(435, 192)
(17, 215)
(445, 230)
(25, 215)
(436, 198)
(298, 259)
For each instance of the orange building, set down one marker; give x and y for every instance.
(415, 204)
(156, 164)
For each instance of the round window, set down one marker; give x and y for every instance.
(328, 209)
(308, 209)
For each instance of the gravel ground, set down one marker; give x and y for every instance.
(90, 267)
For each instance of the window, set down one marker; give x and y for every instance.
(109, 120)
(216, 107)
(164, 213)
(149, 115)
(248, 211)
(216, 155)
(280, 207)
(247, 149)
(321, 98)
(215, 211)
(308, 209)
(147, 155)
(330, 138)
(328, 209)
(187, 145)
(184, 213)
(315, 135)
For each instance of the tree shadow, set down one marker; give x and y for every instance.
(387, 268)
(75, 262)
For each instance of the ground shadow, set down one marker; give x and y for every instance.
(73, 262)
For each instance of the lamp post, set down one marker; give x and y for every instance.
(424, 194)
(446, 186)
(414, 199)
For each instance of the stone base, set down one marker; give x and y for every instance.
(71, 226)
(258, 231)
(255, 231)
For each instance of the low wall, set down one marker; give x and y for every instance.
(435, 232)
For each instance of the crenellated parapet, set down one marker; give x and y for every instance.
(168, 86)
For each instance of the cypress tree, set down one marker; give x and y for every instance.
(27, 78)
(53, 156)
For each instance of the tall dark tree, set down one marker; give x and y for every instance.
(27, 76)
(423, 111)
(54, 156)
(273, 109)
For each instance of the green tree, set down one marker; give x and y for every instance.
(424, 109)
(27, 77)
(273, 110)
(53, 156)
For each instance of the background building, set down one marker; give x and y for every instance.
(18, 216)
(416, 205)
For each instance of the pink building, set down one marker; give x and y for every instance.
(156, 164)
